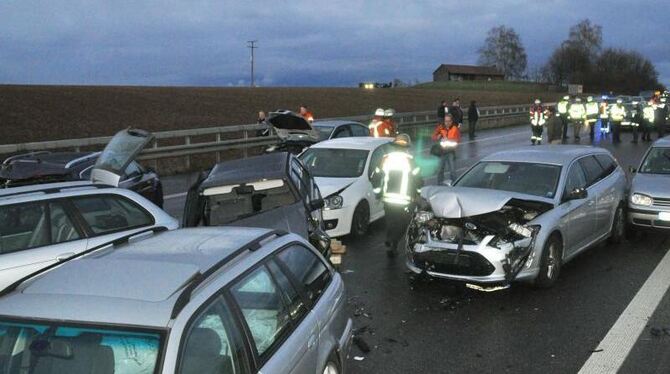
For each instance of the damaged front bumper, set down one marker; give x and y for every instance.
(479, 264)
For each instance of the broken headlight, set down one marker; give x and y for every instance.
(640, 199)
(423, 216)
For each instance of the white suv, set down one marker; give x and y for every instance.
(43, 224)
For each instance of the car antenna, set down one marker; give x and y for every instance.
(122, 240)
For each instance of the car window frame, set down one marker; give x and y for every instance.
(249, 362)
(365, 131)
(297, 284)
(258, 359)
(69, 210)
(599, 178)
(613, 162)
(383, 148)
(565, 192)
(342, 129)
(89, 230)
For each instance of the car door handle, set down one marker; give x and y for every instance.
(311, 342)
(64, 256)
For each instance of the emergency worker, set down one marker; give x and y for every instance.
(377, 126)
(577, 115)
(389, 124)
(604, 119)
(636, 119)
(447, 135)
(592, 113)
(537, 121)
(400, 184)
(306, 114)
(648, 114)
(617, 115)
(562, 108)
(660, 117)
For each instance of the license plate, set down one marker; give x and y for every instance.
(664, 216)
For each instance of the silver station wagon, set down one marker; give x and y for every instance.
(518, 216)
(197, 301)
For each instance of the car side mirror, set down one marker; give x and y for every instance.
(577, 194)
(632, 169)
(316, 204)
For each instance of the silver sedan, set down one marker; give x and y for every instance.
(518, 216)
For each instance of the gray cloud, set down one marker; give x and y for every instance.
(202, 42)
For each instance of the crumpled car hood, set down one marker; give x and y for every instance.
(460, 202)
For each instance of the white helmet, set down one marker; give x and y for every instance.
(379, 112)
(389, 112)
(578, 100)
(619, 101)
(537, 101)
(589, 99)
(566, 97)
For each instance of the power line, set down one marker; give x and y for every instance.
(251, 44)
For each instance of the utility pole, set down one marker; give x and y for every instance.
(251, 44)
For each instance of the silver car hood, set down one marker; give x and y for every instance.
(459, 202)
(655, 185)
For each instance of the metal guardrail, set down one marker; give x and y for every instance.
(219, 137)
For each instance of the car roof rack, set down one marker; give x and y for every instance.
(50, 190)
(199, 277)
(122, 240)
(9, 160)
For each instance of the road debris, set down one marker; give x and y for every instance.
(359, 358)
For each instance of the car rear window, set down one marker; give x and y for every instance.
(307, 269)
(106, 214)
(245, 201)
(608, 164)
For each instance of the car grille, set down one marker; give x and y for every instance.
(662, 201)
(450, 262)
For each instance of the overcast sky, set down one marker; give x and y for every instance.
(302, 42)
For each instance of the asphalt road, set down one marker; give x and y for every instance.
(441, 327)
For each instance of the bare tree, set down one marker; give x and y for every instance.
(504, 50)
(588, 36)
(568, 64)
(624, 71)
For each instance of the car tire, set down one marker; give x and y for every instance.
(618, 230)
(332, 366)
(361, 220)
(550, 262)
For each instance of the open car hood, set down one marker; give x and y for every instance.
(287, 120)
(460, 202)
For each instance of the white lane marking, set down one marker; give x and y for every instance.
(174, 195)
(497, 137)
(621, 338)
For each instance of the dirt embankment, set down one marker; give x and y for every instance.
(39, 113)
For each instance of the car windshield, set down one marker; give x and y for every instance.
(324, 131)
(522, 177)
(657, 161)
(58, 348)
(335, 162)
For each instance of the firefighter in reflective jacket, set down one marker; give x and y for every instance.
(562, 108)
(592, 112)
(537, 120)
(604, 119)
(660, 116)
(617, 115)
(389, 123)
(398, 182)
(379, 128)
(577, 115)
(648, 115)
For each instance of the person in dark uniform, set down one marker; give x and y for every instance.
(457, 112)
(660, 117)
(473, 117)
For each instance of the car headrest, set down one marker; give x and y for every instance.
(204, 342)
